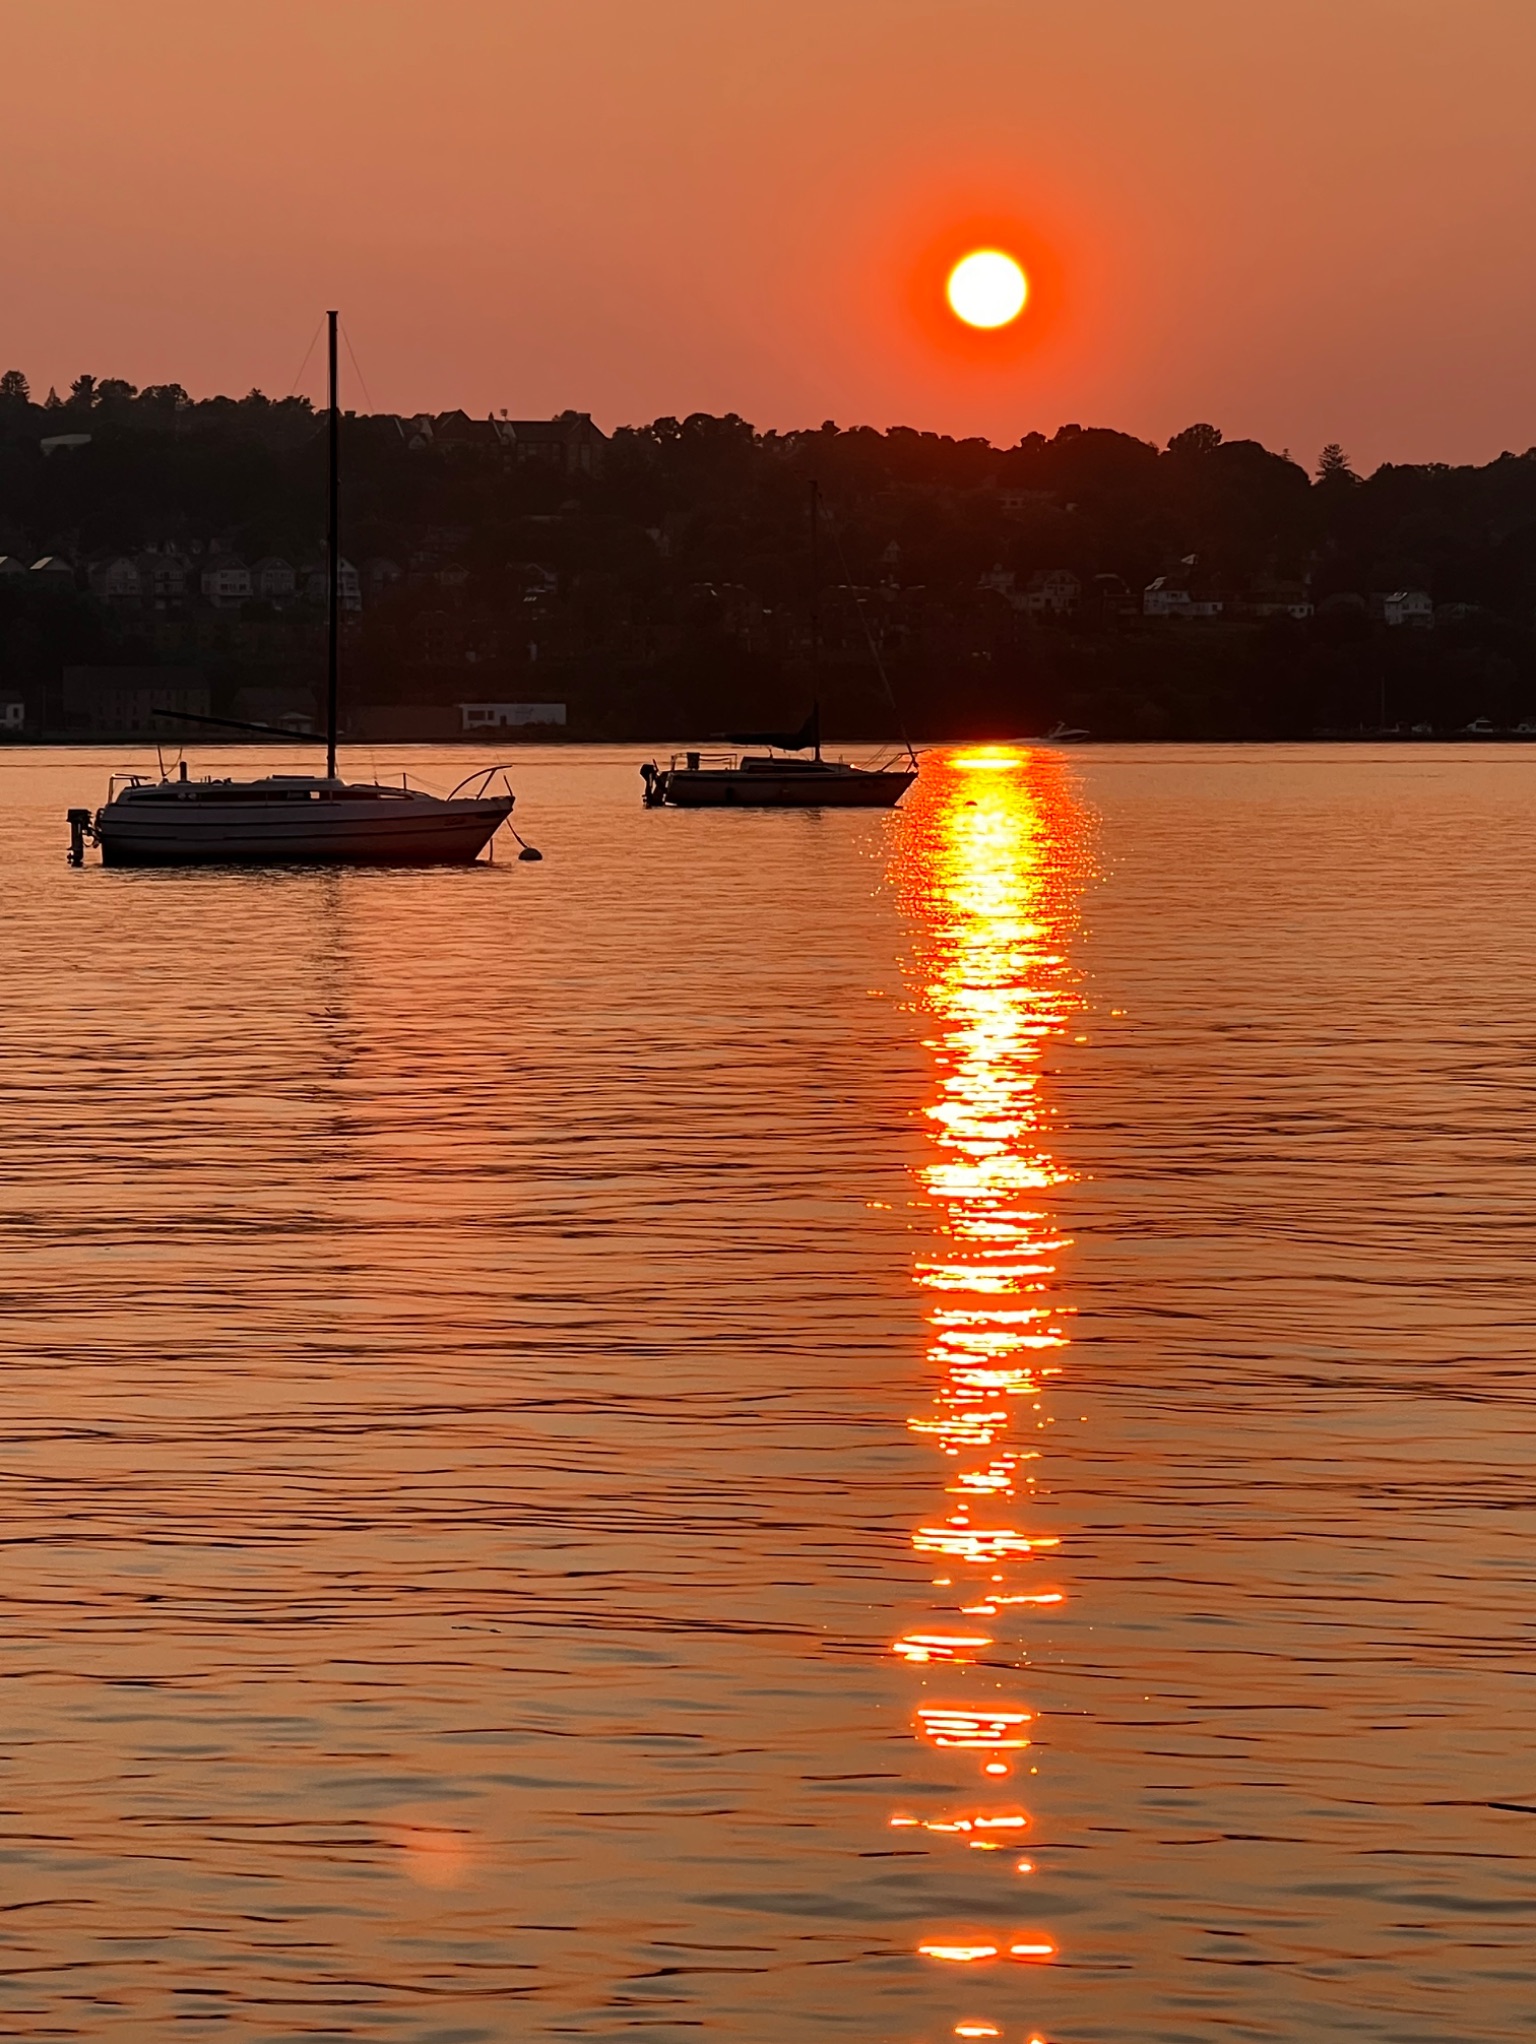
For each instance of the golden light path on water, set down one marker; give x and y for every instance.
(992, 855)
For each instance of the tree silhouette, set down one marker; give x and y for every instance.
(674, 576)
(1200, 439)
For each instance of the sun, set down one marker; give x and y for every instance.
(987, 288)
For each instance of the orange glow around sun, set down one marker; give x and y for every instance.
(987, 288)
(984, 291)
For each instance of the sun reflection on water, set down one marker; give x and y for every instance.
(992, 851)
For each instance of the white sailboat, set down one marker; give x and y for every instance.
(294, 819)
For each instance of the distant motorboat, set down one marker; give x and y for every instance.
(293, 819)
(1066, 734)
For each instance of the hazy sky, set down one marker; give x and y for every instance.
(1305, 220)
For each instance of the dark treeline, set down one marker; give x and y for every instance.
(666, 579)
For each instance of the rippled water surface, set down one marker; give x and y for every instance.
(784, 1426)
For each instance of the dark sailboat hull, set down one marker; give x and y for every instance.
(852, 788)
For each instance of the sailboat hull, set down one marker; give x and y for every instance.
(407, 830)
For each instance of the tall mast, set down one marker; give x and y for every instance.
(816, 611)
(333, 567)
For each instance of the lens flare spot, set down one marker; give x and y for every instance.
(432, 1855)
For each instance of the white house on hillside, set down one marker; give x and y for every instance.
(1408, 607)
(226, 580)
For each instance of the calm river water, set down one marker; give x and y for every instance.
(783, 1427)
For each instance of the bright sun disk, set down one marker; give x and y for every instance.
(987, 288)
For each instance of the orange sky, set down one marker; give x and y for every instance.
(1303, 219)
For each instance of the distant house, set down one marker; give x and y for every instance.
(121, 699)
(1055, 592)
(1015, 503)
(162, 577)
(225, 580)
(508, 716)
(1051, 591)
(317, 584)
(54, 572)
(458, 429)
(11, 568)
(115, 579)
(273, 579)
(1178, 596)
(1406, 607)
(1166, 597)
(449, 430)
(13, 717)
(571, 444)
(1279, 599)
